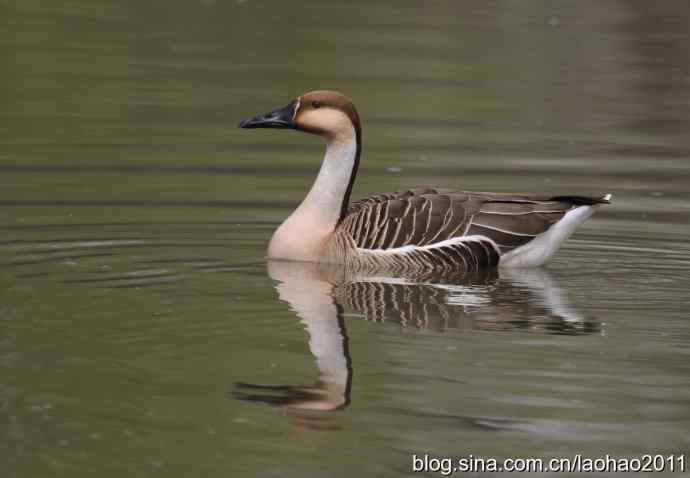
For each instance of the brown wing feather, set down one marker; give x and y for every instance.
(427, 216)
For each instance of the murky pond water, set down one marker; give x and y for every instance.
(143, 333)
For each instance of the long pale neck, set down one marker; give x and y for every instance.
(303, 235)
(330, 192)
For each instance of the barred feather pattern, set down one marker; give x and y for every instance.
(483, 300)
(435, 231)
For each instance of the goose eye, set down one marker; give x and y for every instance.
(315, 104)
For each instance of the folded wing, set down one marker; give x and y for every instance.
(424, 218)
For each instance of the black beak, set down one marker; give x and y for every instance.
(280, 118)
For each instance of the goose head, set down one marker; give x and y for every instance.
(324, 113)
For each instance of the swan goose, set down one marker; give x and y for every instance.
(408, 231)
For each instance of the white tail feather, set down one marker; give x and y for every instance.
(538, 251)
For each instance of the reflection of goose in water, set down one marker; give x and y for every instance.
(511, 299)
(321, 296)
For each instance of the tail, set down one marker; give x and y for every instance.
(584, 200)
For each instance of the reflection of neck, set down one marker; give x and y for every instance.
(311, 299)
(302, 235)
